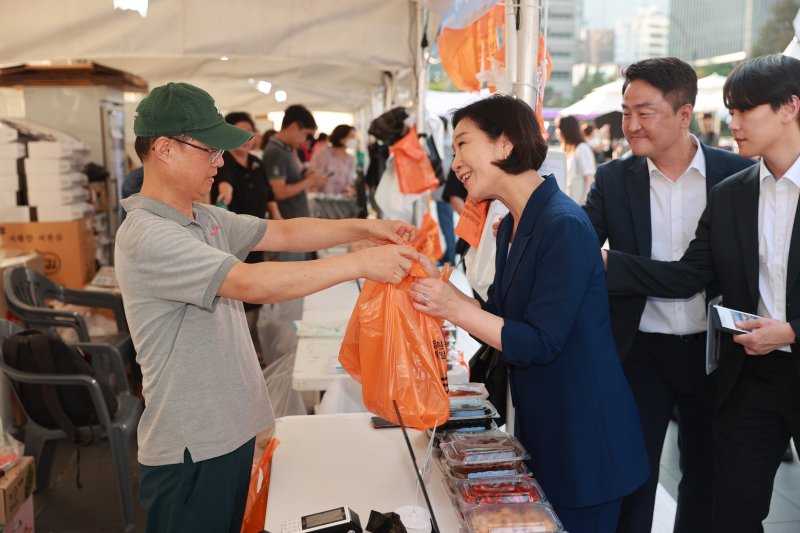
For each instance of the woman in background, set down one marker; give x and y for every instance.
(334, 161)
(580, 158)
(241, 185)
(547, 312)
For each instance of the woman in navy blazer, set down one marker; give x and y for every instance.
(548, 312)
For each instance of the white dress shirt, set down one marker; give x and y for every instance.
(777, 205)
(675, 209)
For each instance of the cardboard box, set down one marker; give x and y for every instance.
(60, 213)
(12, 150)
(56, 149)
(56, 181)
(16, 487)
(18, 213)
(52, 166)
(22, 521)
(67, 248)
(55, 197)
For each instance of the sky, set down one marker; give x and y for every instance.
(604, 13)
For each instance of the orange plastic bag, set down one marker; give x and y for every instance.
(467, 51)
(398, 354)
(255, 511)
(427, 241)
(471, 222)
(415, 173)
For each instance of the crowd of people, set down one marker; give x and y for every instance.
(603, 345)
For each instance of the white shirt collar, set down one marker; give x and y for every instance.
(698, 162)
(793, 174)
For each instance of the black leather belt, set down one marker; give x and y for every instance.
(692, 337)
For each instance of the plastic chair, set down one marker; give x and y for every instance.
(27, 293)
(119, 429)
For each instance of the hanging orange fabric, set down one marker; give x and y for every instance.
(427, 241)
(415, 173)
(255, 511)
(467, 51)
(545, 68)
(471, 221)
(398, 354)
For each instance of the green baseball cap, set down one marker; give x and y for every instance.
(183, 109)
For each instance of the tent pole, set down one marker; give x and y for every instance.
(527, 52)
(510, 42)
(421, 69)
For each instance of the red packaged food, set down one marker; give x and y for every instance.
(470, 493)
(519, 518)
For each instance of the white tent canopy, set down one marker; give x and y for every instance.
(328, 55)
(608, 98)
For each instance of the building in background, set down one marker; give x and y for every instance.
(596, 46)
(713, 32)
(644, 35)
(562, 42)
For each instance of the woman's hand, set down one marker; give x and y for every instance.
(436, 298)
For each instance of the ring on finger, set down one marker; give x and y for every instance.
(426, 299)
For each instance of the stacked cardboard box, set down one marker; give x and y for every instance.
(53, 173)
(12, 153)
(44, 202)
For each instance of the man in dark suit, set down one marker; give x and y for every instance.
(649, 205)
(748, 239)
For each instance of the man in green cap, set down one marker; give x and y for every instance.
(182, 276)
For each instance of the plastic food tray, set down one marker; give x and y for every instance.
(516, 518)
(469, 493)
(483, 447)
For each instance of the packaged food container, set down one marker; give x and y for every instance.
(483, 470)
(519, 518)
(483, 447)
(471, 427)
(484, 409)
(467, 425)
(470, 493)
(468, 390)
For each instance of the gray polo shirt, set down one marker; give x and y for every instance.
(203, 386)
(281, 163)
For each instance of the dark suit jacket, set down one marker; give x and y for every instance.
(575, 413)
(725, 248)
(619, 208)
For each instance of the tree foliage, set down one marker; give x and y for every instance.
(776, 33)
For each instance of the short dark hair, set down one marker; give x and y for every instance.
(570, 130)
(504, 115)
(676, 79)
(771, 79)
(707, 115)
(143, 145)
(299, 114)
(234, 117)
(339, 134)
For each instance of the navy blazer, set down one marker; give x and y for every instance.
(619, 207)
(575, 413)
(725, 248)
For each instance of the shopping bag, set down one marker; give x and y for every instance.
(471, 221)
(255, 511)
(398, 354)
(479, 261)
(415, 173)
(427, 240)
(394, 204)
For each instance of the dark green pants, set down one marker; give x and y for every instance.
(196, 497)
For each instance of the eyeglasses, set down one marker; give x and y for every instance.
(215, 154)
